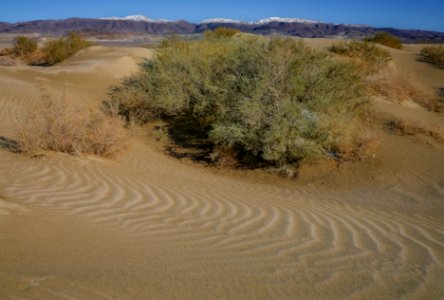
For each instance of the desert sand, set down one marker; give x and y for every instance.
(149, 226)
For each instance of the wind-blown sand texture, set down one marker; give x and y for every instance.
(148, 226)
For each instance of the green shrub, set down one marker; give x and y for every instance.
(24, 45)
(55, 51)
(221, 32)
(276, 101)
(434, 55)
(367, 56)
(386, 39)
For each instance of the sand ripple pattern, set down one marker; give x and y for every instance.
(13, 100)
(285, 237)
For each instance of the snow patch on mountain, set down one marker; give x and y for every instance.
(142, 18)
(285, 20)
(221, 20)
(260, 22)
(138, 18)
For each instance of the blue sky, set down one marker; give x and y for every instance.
(412, 14)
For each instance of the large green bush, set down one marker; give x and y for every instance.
(274, 100)
(24, 45)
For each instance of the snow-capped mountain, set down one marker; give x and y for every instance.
(285, 20)
(138, 18)
(221, 20)
(259, 22)
(271, 26)
(142, 18)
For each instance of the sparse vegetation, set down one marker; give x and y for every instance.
(55, 51)
(60, 125)
(274, 101)
(434, 55)
(386, 39)
(365, 55)
(403, 127)
(400, 87)
(383, 79)
(58, 50)
(24, 46)
(221, 32)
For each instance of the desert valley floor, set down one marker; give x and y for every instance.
(149, 226)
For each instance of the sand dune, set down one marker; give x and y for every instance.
(147, 226)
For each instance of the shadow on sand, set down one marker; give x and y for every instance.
(9, 145)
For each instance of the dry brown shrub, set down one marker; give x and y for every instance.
(225, 158)
(404, 127)
(361, 142)
(64, 126)
(399, 87)
(433, 55)
(37, 58)
(6, 51)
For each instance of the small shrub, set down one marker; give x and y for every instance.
(71, 128)
(274, 100)
(434, 55)
(221, 32)
(24, 46)
(365, 55)
(386, 39)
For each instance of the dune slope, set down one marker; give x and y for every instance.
(147, 226)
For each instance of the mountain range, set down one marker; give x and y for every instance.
(271, 26)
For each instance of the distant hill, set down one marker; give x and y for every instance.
(98, 25)
(271, 26)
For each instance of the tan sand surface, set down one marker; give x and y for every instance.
(148, 226)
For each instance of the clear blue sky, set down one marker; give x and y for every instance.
(412, 14)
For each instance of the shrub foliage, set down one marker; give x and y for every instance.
(24, 46)
(221, 32)
(434, 55)
(382, 79)
(60, 125)
(386, 39)
(367, 56)
(274, 100)
(55, 51)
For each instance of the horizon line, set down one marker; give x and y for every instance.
(118, 18)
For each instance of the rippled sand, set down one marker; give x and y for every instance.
(147, 226)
